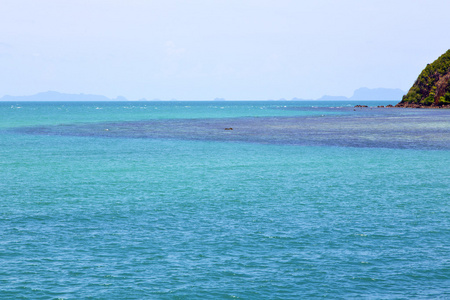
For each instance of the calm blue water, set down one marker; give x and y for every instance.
(156, 200)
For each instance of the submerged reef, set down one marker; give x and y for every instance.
(432, 87)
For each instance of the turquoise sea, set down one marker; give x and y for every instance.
(156, 200)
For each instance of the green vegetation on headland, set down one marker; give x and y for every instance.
(432, 87)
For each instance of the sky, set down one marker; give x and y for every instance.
(206, 49)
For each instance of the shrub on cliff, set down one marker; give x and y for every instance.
(432, 87)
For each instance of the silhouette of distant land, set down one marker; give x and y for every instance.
(359, 94)
(366, 94)
(56, 96)
(332, 98)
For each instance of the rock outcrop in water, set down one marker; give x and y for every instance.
(432, 87)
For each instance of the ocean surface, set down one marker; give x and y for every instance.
(156, 200)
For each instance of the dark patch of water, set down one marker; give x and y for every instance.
(374, 128)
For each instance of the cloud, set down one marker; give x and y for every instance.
(5, 49)
(173, 51)
(5, 45)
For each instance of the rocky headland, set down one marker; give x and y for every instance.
(432, 87)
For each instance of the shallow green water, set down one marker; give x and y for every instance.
(175, 217)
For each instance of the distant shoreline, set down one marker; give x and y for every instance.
(212, 101)
(361, 94)
(405, 105)
(415, 105)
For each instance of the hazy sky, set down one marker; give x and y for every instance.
(232, 49)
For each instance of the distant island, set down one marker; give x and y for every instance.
(361, 94)
(432, 87)
(366, 94)
(56, 96)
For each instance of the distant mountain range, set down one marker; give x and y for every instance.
(361, 94)
(56, 96)
(364, 94)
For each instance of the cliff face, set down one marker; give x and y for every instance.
(432, 87)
